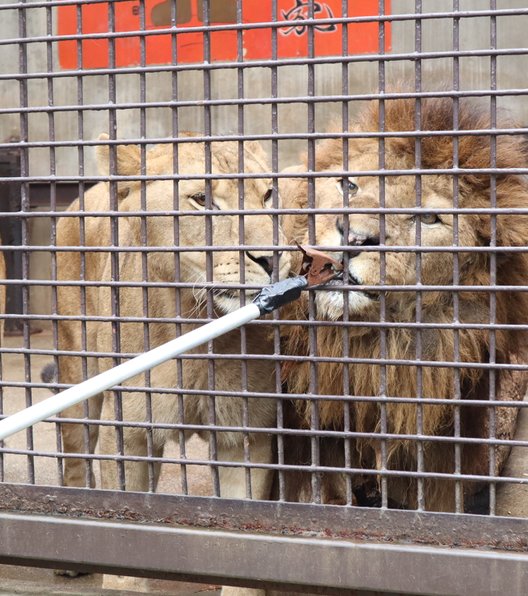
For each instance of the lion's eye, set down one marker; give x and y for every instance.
(200, 200)
(346, 185)
(268, 197)
(429, 219)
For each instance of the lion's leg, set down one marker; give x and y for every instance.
(136, 477)
(74, 435)
(134, 445)
(233, 480)
(136, 472)
(233, 484)
(73, 441)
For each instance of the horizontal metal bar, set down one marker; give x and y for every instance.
(304, 22)
(456, 14)
(292, 136)
(386, 248)
(282, 431)
(306, 468)
(257, 176)
(283, 357)
(387, 399)
(212, 286)
(273, 322)
(279, 100)
(269, 63)
(269, 211)
(178, 30)
(312, 562)
(297, 519)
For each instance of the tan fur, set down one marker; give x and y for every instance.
(404, 343)
(160, 267)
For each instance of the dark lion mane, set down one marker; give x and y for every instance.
(476, 150)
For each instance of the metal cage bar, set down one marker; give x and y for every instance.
(280, 121)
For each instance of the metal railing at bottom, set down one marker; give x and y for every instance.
(327, 549)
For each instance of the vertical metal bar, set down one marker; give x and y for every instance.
(144, 239)
(24, 208)
(53, 204)
(176, 234)
(493, 256)
(456, 265)
(241, 238)
(418, 255)
(213, 448)
(347, 423)
(383, 330)
(82, 241)
(114, 232)
(314, 422)
(275, 202)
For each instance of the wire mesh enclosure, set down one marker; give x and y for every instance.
(160, 163)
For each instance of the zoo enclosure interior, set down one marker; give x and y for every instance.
(184, 228)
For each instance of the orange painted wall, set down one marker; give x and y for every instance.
(292, 40)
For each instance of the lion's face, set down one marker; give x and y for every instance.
(203, 222)
(360, 235)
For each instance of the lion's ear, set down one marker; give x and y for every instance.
(128, 158)
(257, 151)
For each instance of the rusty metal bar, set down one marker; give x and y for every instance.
(184, 551)
(295, 519)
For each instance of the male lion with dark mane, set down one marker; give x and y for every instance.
(396, 398)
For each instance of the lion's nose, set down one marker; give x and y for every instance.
(356, 238)
(265, 261)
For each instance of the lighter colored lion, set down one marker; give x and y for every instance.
(403, 342)
(167, 305)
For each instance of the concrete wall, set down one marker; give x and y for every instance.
(437, 35)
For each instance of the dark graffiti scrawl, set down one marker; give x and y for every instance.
(300, 12)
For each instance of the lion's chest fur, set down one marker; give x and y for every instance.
(379, 367)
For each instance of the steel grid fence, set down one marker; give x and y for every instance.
(373, 420)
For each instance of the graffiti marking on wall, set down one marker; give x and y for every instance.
(301, 12)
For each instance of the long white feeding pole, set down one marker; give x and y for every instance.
(268, 300)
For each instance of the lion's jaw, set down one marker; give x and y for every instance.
(330, 300)
(227, 273)
(330, 304)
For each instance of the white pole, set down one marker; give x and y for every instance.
(117, 375)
